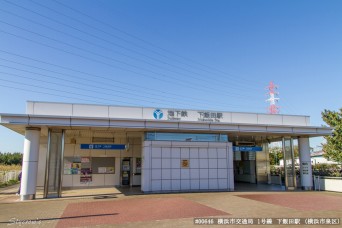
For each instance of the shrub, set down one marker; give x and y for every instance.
(9, 183)
(276, 170)
(330, 170)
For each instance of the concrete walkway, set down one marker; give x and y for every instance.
(128, 208)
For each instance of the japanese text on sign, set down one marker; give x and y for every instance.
(267, 221)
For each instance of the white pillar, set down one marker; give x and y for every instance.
(146, 172)
(230, 157)
(305, 163)
(30, 164)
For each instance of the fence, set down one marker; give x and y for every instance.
(6, 176)
(327, 183)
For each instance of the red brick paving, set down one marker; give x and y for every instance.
(133, 210)
(307, 202)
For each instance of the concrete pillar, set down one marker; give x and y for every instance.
(30, 164)
(230, 158)
(305, 163)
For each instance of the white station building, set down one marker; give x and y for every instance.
(160, 149)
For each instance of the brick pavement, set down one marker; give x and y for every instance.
(165, 210)
(133, 210)
(305, 202)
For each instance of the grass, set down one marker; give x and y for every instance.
(9, 183)
(9, 167)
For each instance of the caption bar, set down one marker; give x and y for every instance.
(267, 221)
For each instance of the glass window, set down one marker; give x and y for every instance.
(187, 137)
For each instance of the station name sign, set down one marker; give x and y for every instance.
(180, 114)
(103, 146)
(247, 148)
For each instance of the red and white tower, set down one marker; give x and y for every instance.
(272, 92)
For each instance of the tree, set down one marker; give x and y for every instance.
(333, 147)
(11, 158)
(276, 154)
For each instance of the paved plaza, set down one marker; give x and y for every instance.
(110, 207)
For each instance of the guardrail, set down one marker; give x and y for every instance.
(6, 176)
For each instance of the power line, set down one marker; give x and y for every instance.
(230, 84)
(34, 91)
(73, 87)
(92, 75)
(67, 80)
(160, 92)
(92, 86)
(87, 85)
(109, 49)
(105, 32)
(110, 65)
(149, 43)
(55, 40)
(77, 71)
(81, 72)
(64, 91)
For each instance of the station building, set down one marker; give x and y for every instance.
(159, 149)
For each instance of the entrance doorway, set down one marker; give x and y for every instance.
(53, 182)
(289, 164)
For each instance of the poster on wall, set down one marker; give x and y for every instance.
(77, 159)
(106, 170)
(86, 171)
(138, 165)
(76, 168)
(86, 175)
(110, 169)
(85, 160)
(102, 170)
(67, 167)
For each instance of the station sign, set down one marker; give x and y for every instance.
(103, 146)
(247, 148)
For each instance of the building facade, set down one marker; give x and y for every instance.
(160, 149)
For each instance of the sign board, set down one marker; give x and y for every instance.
(103, 146)
(247, 148)
(305, 168)
(185, 163)
(185, 115)
(106, 170)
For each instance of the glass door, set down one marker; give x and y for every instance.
(289, 164)
(54, 161)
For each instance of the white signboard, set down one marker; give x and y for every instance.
(185, 115)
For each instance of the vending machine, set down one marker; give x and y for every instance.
(126, 171)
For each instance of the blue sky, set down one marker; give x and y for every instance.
(196, 54)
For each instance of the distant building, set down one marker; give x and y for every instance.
(316, 158)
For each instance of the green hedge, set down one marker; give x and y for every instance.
(329, 170)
